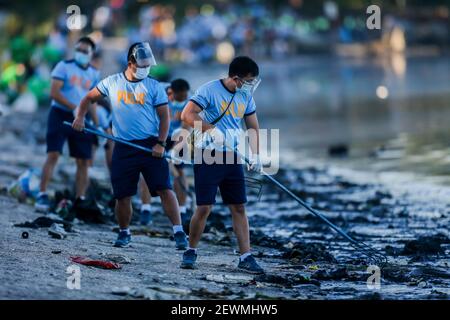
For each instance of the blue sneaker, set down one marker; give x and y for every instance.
(250, 265)
(146, 217)
(180, 240)
(189, 258)
(42, 203)
(123, 239)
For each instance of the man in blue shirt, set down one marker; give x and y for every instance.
(218, 108)
(71, 80)
(177, 92)
(139, 114)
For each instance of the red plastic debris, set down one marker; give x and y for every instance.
(96, 263)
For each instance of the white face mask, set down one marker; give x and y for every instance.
(82, 58)
(141, 73)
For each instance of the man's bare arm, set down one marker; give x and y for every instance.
(251, 122)
(91, 97)
(190, 115)
(55, 94)
(164, 121)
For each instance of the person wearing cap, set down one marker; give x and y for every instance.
(140, 114)
(71, 80)
(216, 111)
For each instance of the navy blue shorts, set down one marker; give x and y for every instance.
(228, 178)
(170, 145)
(128, 163)
(80, 144)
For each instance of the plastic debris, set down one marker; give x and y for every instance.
(41, 222)
(26, 186)
(228, 278)
(117, 258)
(95, 263)
(57, 231)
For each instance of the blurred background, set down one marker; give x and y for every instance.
(369, 100)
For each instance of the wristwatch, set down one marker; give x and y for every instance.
(162, 143)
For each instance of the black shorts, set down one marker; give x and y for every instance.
(170, 145)
(128, 163)
(80, 144)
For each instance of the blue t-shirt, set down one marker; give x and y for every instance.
(133, 105)
(175, 107)
(78, 81)
(213, 98)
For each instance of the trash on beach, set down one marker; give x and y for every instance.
(64, 210)
(57, 231)
(26, 185)
(228, 278)
(25, 235)
(117, 258)
(172, 290)
(89, 211)
(95, 263)
(40, 222)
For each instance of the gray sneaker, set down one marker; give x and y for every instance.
(250, 265)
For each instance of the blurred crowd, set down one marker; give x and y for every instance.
(212, 32)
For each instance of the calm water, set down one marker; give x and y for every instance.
(322, 101)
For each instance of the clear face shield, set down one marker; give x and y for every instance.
(143, 55)
(249, 87)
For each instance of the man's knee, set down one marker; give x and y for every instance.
(164, 194)
(82, 163)
(52, 157)
(124, 202)
(237, 209)
(203, 211)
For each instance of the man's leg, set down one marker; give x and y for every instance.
(43, 202)
(81, 178)
(124, 212)
(240, 227)
(47, 170)
(180, 187)
(197, 225)
(146, 199)
(170, 206)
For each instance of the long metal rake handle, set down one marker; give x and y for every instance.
(370, 252)
(131, 144)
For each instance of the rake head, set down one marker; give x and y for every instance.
(373, 256)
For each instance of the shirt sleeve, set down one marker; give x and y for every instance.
(60, 71)
(201, 97)
(96, 80)
(251, 107)
(103, 87)
(160, 96)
